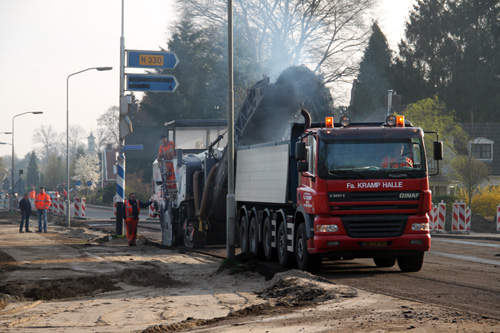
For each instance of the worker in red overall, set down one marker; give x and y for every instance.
(167, 153)
(131, 210)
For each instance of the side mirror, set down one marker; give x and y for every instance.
(438, 150)
(300, 151)
(302, 166)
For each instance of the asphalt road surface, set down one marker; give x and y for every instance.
(460, 271)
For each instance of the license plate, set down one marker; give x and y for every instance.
(373, 244)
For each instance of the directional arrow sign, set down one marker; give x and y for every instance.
(151, 59)
(148, 82)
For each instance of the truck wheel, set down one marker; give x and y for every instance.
(284, 257)
(253, 237)
(384, 261)
(411, 263)
(244, 234)
(267, 238)
(305, 260)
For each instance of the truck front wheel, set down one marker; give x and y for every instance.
(411, 263)
(305, 260)
(284, 257)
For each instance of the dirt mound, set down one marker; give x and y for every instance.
(478, 224)
(296, 288)
(62, 288)
(146, 278)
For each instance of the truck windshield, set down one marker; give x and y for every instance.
(387, 155)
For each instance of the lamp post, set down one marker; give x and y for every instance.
(12, 171)
(68, 211)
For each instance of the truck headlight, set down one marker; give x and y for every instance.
(420, 227)
(327, 228)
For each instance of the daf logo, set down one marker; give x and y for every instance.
(411, 195)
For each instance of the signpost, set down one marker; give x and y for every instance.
(151, 59)
(133, 147)
(152, 83)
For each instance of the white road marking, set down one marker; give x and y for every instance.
(454, 241)
(467, 258)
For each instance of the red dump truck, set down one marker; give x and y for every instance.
(339, 191)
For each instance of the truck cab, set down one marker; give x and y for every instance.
(364, 193)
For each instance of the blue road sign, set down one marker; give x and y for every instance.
(89, 183)
(132, 147)
(151, 59)
(149, 82)
(78, 183)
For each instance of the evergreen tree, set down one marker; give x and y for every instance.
(33, 174)
(374, 79)
(452, 49)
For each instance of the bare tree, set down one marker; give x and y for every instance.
(470, 172)
(107, 130)
(76, 140)
(323, 34)
(47, 141)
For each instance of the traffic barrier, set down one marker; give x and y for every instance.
(152, 211)
(60, 201)
(458, 219)
(468, 214)
(82, 209)
(438, 216)
(498, 218)
(433, 217)
(77, 207)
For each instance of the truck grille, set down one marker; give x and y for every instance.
(373, 226)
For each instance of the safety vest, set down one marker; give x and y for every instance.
(129, 210)
(32, 195)
(168, 150)
(393, 163)
(42, 201)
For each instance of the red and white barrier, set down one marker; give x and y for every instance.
(458, 220)
(438, 217)
(77, 207)
(468, 214)
(60, 202)
(498, 218)
(152, 212)
(82, 209)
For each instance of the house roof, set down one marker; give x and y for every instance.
(488, 131)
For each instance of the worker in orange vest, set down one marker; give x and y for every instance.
(42, 203)
(166, 152)
(397, 158)
(32, 194)
(131, 210)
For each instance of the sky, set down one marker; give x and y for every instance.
(44, 41)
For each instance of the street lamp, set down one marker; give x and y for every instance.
(12, 171)
(67, 134)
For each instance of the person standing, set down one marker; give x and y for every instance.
(32, 194)
(42, 203)
(131, 210)
(166, 152)
(25, 207)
